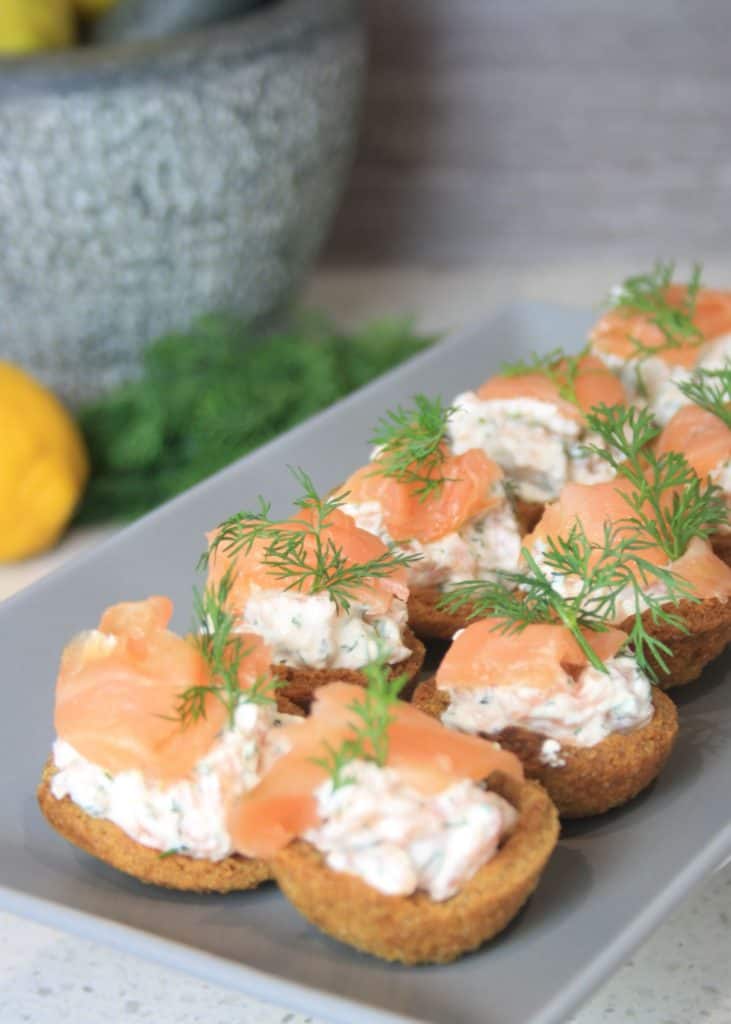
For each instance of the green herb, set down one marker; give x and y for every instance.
(412, 445)
(647, 294)
(369, 738)
(224, 653)
(217, 391)
(602, 573)
(298, 551)
(711, 390)
(561, 369)
(670, 504)
(168, 853)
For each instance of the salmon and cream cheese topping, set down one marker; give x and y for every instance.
(593, 507)
(421, 822)
(651, 380)
(705, 441)
(310, 629)
(540, 679)
(536, 434)
(122, 755)
(465, 529)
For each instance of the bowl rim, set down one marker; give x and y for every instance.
(269, 26)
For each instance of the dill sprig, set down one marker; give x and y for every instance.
(601, 574)
(711, 390)
(561, 369)
(647, 293)
(369, 736)
(298, 552)
(223, 652)
(669, 503)
(411, 445)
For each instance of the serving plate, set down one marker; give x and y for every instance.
(608, 884)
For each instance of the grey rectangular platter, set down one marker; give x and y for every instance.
(608, 884)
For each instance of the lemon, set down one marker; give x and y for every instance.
(43, 465)
(29, 25)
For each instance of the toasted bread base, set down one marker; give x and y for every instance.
(593, 779)
(416, 929)
(709, 631)
(301, 683)
(107, 842)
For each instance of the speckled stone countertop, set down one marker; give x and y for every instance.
(679, 975)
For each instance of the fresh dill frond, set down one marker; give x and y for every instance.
(670, 504)
(223, 652)
(369, 736)
(411, 445)
(647, 293)
(559, 366)
(599, 575)
(298, 551)
(711, 390)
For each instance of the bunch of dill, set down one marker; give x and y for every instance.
(211, 394)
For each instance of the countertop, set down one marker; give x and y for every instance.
(679, 974)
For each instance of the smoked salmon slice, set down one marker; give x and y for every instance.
(616, 332)
(426, 754)
(593, 385)
(119, 687)
(470, 488)
(591, 506)
(337, 533)
(538, 657)
(703, 438)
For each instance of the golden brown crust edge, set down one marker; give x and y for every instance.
(593, 779)
(415, 929)
(107, 842)
(301, 683)
(709, 631)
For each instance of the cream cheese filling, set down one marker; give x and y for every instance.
(486, 544)
(309, 630)
(579, 712)
(188, 816)
(399, 840)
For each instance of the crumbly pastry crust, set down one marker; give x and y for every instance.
(108, 842)
(709, 631)
(593, 779)
(301, 683)
(416, 929)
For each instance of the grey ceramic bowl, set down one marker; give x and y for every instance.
(147, 183)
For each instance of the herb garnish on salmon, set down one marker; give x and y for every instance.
(711, 390)
(412, 445)
(301, 552)
(670, 504)
(604, 573)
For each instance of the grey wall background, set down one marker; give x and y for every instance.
(542, 128)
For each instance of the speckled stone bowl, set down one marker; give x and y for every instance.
(144, 184)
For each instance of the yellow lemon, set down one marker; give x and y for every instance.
(43, 465)
(28, 25)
